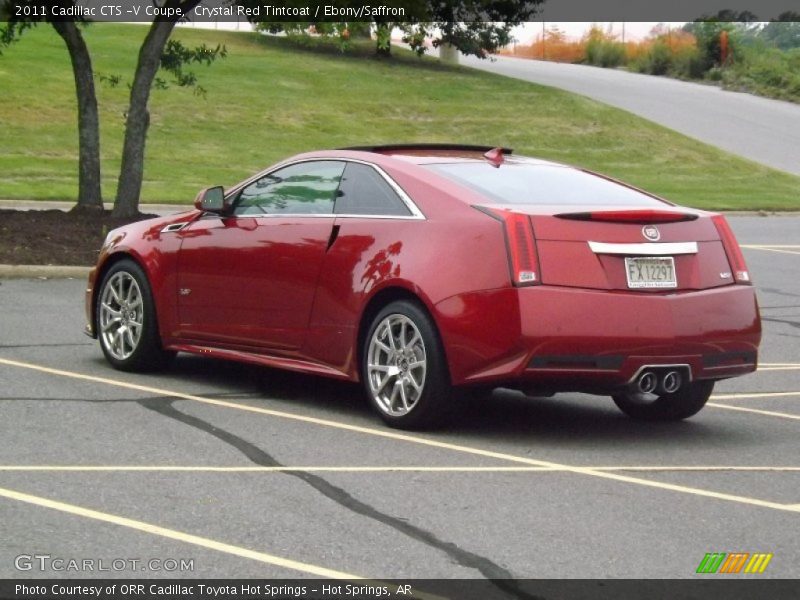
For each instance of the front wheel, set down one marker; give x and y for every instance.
(682, 404)
(126, 320)
(403, 368)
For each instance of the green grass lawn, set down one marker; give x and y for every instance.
(271, 98)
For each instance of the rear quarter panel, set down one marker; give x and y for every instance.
(434, 259)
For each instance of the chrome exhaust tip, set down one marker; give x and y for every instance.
(647, 382)
(672, 382)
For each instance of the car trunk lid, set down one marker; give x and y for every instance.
(625, 249)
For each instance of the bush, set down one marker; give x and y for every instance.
(768, 72)
(673, 53)
(553, 47)
(657, 60)
(688, 64)
(602, 49)
(709, 36)
(744, 62)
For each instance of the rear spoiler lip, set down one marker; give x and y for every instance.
(633, 216)
(383, 148)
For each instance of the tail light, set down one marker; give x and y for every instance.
(641, 216)
(732, 250)
(521, 245)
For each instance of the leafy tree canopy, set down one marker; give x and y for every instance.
(474, 27)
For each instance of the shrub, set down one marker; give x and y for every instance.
(687, 63)
(554, 47)
(668, 52)
(602, 49)
(766, 71)
(709, 35)
(657, 60)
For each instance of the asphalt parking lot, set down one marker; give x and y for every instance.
(256, 473)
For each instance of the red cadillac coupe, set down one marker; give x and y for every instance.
(426, 270)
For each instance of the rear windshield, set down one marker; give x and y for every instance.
(541, 184)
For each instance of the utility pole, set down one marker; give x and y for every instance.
(543, 42)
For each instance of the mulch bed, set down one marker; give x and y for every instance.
(54, 237)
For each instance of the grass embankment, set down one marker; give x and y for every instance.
(270, 98)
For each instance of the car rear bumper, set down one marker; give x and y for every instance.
(577, 339)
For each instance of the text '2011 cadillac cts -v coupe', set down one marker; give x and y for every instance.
(426, 270)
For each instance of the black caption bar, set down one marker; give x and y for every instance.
(387, 10)
(457, 589)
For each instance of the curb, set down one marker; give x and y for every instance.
(43, 272)
(157, 209)
(63, 271)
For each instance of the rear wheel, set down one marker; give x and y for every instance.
(126, 320)
(403, 368)
(688, 400)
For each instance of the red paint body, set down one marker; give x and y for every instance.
(292, 292)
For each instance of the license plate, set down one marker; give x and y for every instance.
(651, 272)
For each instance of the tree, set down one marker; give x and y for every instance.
(717, 41)
(476, 27)
(89, 193)
(156, 52)
(783, 33)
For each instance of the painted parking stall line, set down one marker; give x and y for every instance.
(173, 534)
(380, 469)
(779, 366)
(748, 395)
(412, 439)
(780, 248)
(755, 411)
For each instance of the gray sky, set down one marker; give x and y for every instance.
(524, 34)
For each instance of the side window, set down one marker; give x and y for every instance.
(307, 188)
(364, 192)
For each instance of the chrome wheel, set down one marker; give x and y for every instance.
(396, 365)
(121, 315)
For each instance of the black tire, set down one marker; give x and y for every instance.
(684, 403)
(428, 400)
(146, 354)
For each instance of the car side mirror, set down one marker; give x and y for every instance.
(211, 199)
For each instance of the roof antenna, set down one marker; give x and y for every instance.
(495, 157)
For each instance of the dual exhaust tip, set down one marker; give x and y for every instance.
(650, 382)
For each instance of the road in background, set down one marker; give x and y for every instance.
(761, 129)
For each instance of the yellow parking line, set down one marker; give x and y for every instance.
(368, 469)
(754, 395)
(177, 535)
(404, 437)
(760, 246)
(697, 468)
(346, 469)
(784, 368)
(770, 249)
(779, 365)
(768, 413)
